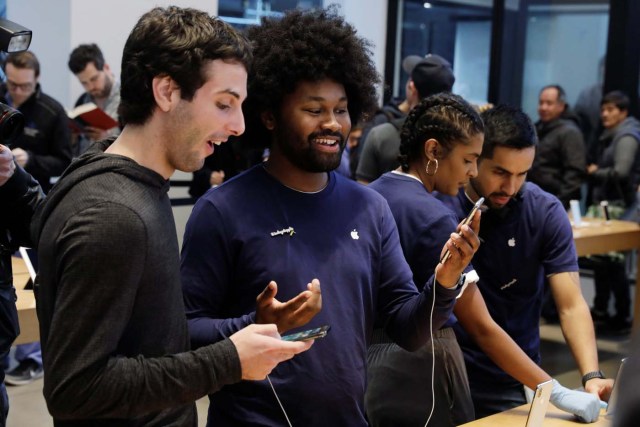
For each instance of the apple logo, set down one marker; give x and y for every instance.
(511, 242)
(354, 235)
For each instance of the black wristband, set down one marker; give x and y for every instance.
(591, 375)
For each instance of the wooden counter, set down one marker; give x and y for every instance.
(517, 417)
(596, 237)
(26, 303)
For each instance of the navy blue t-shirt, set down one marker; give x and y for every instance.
(521, 245)
(424, 223)
(252, 230)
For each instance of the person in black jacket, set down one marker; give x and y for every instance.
(44, 148)
(20, 194)
(560, 164)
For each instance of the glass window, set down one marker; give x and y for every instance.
(241, 13)
(458, 30)
(566, 43)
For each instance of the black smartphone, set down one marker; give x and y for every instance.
(467, 220)
(309, 334)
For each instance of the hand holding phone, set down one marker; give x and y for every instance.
(466, 221)
(309, 334)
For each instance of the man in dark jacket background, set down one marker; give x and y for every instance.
(560, 163)
(19, 196)
(44, 148)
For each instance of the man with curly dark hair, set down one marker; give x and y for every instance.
(292, 218)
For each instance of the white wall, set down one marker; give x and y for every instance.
(61, 25)
(370, 19)
(51, 41)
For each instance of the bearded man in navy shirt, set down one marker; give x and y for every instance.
(293, 218)
(526, 236)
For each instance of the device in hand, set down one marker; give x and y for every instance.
(467, 220)
(309, 334)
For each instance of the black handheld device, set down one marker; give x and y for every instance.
(467, 220)
(309, 334)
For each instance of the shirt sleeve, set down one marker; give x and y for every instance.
(574, 160)
(559, 249)
(58, 154)
(623, 158)
(100, 267)
(22, 195)
(405, 311)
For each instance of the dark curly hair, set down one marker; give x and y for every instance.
(175, 42)
(507, 126)
(445, 117)
(306, 46)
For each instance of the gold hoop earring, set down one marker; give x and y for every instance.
(435, 169)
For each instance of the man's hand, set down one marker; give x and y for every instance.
(592, 168)
(583, 405)
(291, 314)
(260, 350)
(95, 134)
(601, 387)
(462, 245)
(7, 166)
(21, 157)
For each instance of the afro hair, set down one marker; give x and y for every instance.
(306, 46)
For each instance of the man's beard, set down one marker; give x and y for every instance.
(108, 84)
(487, 197)
(306, 157)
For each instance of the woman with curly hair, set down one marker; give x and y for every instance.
(293, 218)
(440, 144)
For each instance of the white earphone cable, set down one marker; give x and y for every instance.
(279, 402)
(433, 356)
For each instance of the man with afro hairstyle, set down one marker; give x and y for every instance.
(294, 218)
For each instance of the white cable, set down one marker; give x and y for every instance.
(279, 403)
(433, 356)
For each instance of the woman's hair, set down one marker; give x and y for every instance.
(445, 117)
(306, 46)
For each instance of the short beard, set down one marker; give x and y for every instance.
(306, 158)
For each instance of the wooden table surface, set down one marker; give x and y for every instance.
(517, 417)
(594, 237)
(26, 303)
